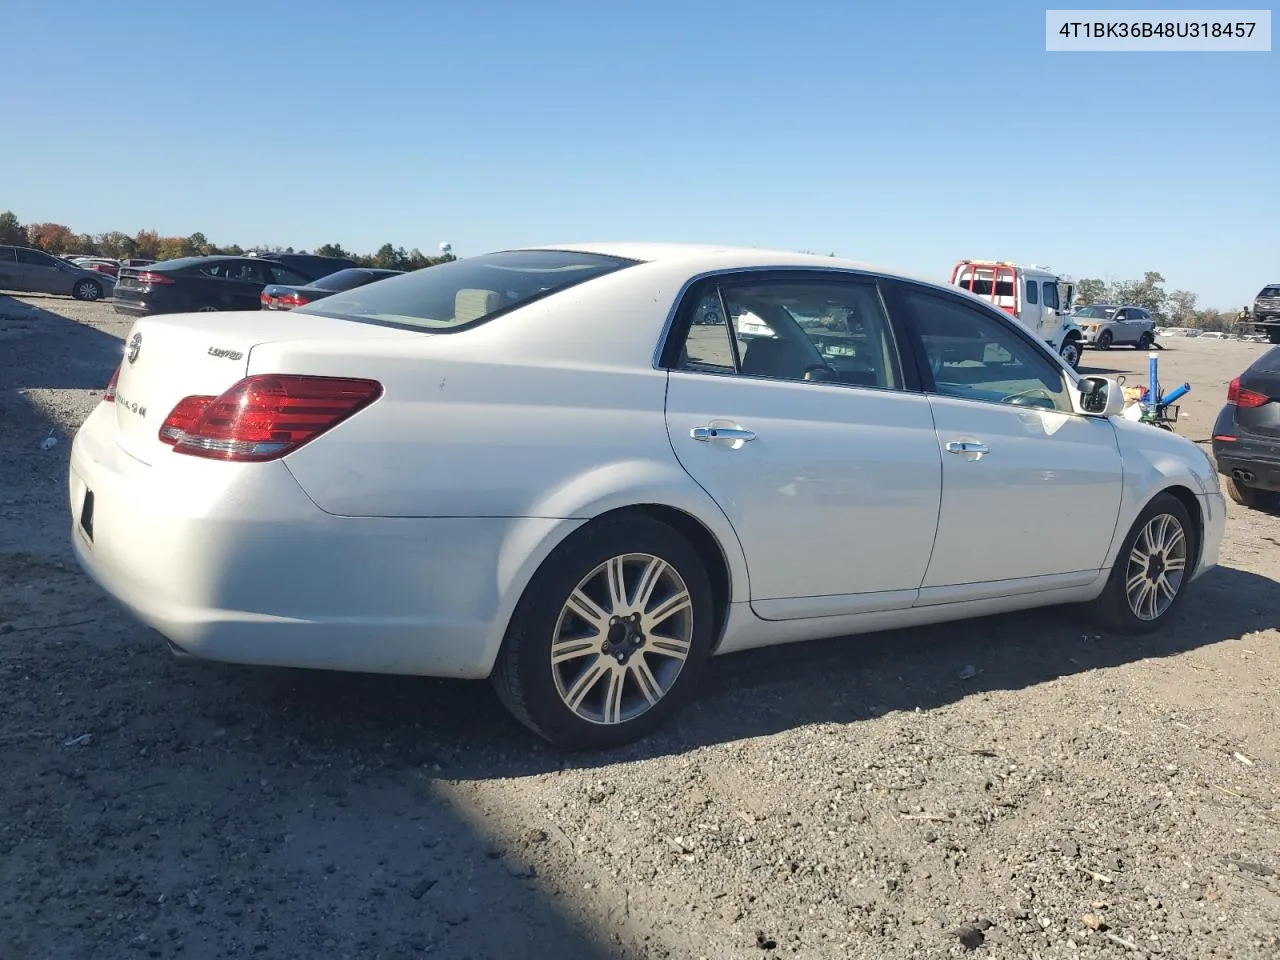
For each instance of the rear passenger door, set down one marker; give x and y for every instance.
(811, 438)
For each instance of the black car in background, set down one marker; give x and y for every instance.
(279, 296)
(1246, 436)
(310, 265)
(201, 284)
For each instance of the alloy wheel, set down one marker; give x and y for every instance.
(622, 638)
(1157, 566)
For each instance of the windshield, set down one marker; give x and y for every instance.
(1096, 312)
(466, 292)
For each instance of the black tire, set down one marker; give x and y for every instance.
(524, 676)
(1105, 339)
(1273, 334)
(1112, 609)
(87, 290)
(207, 308)
(1246, 496)
(1144, 342)
(1072, 352)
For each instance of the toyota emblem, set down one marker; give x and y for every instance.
(135, 345)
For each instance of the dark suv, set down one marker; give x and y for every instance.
(1266, 312)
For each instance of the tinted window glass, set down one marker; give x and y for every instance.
(1051, 295)
(464, 292)
(35, 258)
(1270, 292)
(975, 355)
(279, 274)
(7, 255)
(1032, 296)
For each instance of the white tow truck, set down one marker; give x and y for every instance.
(1041, 299)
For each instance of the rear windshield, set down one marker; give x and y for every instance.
(466, 292)
(1270, 292)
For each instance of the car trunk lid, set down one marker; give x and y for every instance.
(169, 357)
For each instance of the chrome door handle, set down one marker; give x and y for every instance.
(967, 446)
(706, 434)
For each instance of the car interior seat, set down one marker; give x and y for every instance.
(471, 304)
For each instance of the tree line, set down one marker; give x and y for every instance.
(60, 240)
(1170, 309)
(1177, 308)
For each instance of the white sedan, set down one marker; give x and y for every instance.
(535, 466)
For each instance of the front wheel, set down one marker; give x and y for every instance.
(610, 636)
(1071, 353)
(1105, 339)
(1151, 571)
(89, 290)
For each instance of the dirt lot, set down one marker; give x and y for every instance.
(1017, 787)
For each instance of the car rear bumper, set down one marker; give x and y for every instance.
(233, 562)
(1247, 464)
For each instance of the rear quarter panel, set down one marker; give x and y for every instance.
(552, 412)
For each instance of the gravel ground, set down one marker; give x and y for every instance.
(1014, 787)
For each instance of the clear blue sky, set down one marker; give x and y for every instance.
(906, 134)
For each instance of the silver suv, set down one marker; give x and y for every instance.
(26, 270)
(1107, 324)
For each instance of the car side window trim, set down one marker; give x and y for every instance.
(680, 318)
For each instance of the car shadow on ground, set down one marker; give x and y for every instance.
(761, 692)
(85, 357)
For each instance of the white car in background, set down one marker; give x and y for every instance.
(535, 466)
(1108, 325)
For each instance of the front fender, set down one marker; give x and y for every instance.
(1156, 460)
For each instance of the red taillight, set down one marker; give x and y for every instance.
(183, 418)
(264, 298)
(293, 299)
(1245, 398)
(109, 394)
(266, 416)
(153, 279)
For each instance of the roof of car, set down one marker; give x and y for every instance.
(728, 255)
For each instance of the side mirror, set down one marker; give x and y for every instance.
(1100, 397)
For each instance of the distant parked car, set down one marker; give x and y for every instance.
(1246, 436)
(1107, 324)
(310, 265)
(99, 265)
(200, 285)
(279, 296)
(34, 271)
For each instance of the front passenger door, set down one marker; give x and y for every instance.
(1030, 489)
